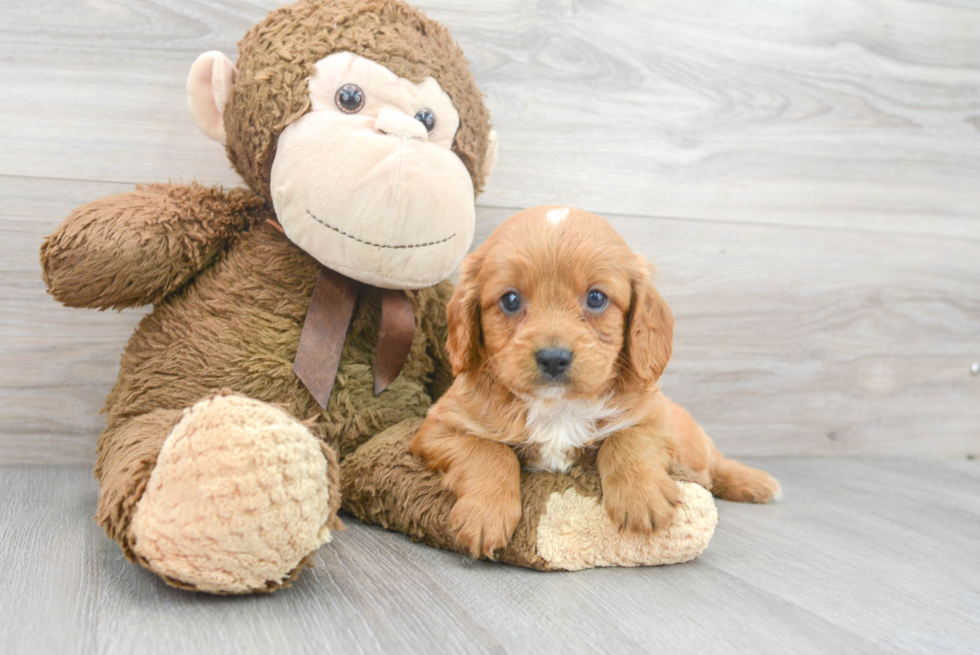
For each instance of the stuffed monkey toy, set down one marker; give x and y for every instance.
(298, 317)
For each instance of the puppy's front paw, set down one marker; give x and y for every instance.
(642, 503)
(483, 524)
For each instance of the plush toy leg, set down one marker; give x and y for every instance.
(229, 496)
(563, 527)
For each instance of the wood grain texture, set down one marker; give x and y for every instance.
(56, 364)
(862, 556)
(821, 113)
(790, 340)
(803, 174)
(850, 112)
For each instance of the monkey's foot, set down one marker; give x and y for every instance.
(241, 495)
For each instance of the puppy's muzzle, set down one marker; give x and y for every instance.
(553, 362)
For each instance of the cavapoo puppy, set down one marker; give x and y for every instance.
(558, 338)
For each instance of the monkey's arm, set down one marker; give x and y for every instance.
(137, 248)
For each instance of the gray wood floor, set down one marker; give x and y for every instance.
(862, 556)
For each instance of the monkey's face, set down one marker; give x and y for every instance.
(366, 181)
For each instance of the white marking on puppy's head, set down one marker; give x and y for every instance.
(557, 215)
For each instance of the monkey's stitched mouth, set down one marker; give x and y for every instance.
(379, 245)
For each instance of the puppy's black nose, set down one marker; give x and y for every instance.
(553, 362)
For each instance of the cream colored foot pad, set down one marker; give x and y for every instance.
(238, 498)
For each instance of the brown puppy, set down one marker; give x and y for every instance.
(558, 339)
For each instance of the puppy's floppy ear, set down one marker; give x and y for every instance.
(465, 343)
(649, 328)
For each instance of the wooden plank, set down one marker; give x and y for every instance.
(862, 556)
(867, 545)
(846, 114)
(96, 91)
(49, 549)
(56, 364)
(790, 340)
(620, 610)
(842, 113)
(68, 589)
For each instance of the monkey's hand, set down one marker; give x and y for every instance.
(137, 248)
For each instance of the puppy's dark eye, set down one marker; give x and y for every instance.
(427, 118)
(597, 300)
(510, 302)
(349, 99)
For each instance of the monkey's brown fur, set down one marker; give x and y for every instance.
(231, 294)
(281, 51)
(237, 327)
(137, 248)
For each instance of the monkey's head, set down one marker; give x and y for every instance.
(361, 122)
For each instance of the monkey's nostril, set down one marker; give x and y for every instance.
(553, 362)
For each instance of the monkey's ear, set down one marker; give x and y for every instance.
(208, 88)
(491, 157)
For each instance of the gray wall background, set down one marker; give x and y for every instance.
(805, 175)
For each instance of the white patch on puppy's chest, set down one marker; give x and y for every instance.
(559, 428)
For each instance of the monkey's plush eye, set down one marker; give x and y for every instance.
(349, 99)
(597, 300)
(510, 302)
(427, 118)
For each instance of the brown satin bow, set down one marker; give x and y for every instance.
(325, 330)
